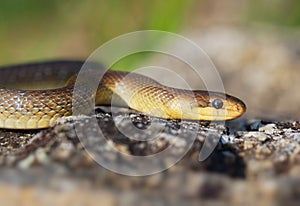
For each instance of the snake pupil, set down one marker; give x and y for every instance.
(217, 103)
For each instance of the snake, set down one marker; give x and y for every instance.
(35, 95)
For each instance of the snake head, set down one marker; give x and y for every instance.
(220, 107)
(211, 106)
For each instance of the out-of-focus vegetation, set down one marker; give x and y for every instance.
(35, 30)
(276, 12)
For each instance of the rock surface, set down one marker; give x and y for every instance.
(257, 158)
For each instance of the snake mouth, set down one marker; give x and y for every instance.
(212, 114)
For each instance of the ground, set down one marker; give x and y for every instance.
(257, 158)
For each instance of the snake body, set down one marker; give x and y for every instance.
(34, 96)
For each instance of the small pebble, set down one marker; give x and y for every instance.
(268, 129)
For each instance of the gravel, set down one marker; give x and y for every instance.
(262, 161)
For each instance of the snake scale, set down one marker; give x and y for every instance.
(34, 96)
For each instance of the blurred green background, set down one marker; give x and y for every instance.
(35, 30)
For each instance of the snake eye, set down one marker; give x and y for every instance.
(217, 103)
